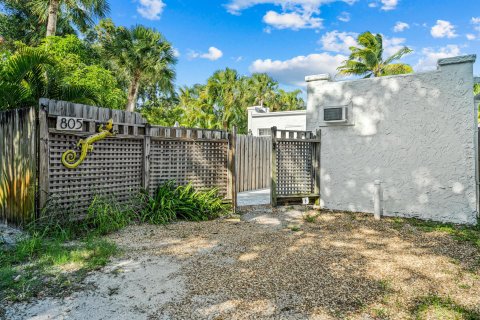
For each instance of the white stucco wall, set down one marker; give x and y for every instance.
(416, 133)
(284, 120)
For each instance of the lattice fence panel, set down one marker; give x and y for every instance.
(114, 168)
(294, 168)
(203, 163)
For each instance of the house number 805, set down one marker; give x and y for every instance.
(68, 123)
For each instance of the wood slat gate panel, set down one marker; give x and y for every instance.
(253, 162)
(295, 165)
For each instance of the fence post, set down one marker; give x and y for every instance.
(146, 159)
(273, 171)
(232, 140)
(43, 156)
(316, 154)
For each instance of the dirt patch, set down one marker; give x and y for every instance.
(278, 266)
(126, 289)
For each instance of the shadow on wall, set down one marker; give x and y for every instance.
(413, 133)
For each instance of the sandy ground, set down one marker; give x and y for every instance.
(273, 266)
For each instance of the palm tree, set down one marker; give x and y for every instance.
(81, 13)
(27, 76)
(223, 93)
(19, 22)
(143, 56)
(367, 59)
(262, 87)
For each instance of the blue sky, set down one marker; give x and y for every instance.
(291, 39)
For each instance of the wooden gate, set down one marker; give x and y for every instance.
(253, 162)
(295, 166)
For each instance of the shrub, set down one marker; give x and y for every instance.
(183, 202)
(106, 215)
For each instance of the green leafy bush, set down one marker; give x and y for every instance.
(183, 202)
(106, 215)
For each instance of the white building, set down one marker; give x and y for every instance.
(261, 120)
(415, 133)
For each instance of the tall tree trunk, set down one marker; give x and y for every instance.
(133, 93)
(52, 17)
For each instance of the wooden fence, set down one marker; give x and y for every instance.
(295, 165)
(139, 156)
(18, 165)
(253, 162)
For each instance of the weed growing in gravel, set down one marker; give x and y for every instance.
(469, 234)
(295, 228)
(310, 218)
(435, 307)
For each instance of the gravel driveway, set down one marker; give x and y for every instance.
(277, 266)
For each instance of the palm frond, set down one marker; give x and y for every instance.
(396, 68)
(398, 55)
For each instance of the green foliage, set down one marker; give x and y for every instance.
(310, 218)
(36, 264)
(367, 59)
(436, 307)
(64, 68)
(462, 233)
(80, 14)
(19, 22)
(28, 75)
(223, 101)
(183, 202)
(107, 215)
(79, 65)
(142, 55)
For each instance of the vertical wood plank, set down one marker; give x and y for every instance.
(44, 155)
(146, 159)
(273, 176)
(231, 168)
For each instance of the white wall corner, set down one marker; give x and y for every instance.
(456, 60)
(318, 77)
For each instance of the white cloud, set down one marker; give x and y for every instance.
(372, 5)
(291, 20)
(470, 36)
(212, 54)
(401, 26)
(176, 52)
(443, 29)
(344, 17)
(294, 14)
(341, 42)
(337, 41)
(151, 9)
(293, 71)
(389, 4)
(392, 45)
(430, 56)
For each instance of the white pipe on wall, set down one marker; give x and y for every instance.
(377, 200)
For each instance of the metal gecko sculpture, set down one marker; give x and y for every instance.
(69, 157)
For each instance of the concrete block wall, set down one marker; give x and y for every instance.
(416, 133)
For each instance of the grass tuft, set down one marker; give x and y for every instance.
(436, 307)
(462, 233)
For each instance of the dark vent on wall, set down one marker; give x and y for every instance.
(333, 114)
